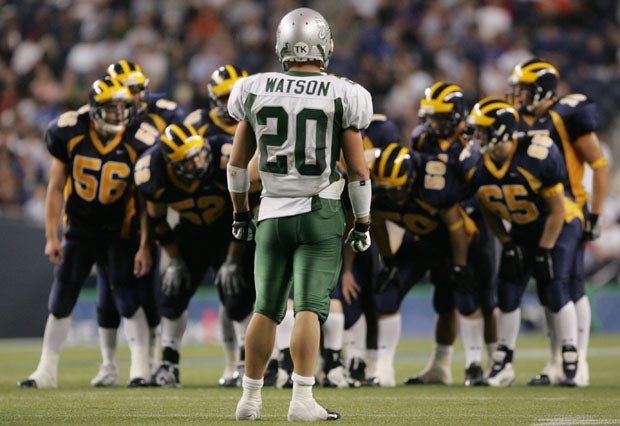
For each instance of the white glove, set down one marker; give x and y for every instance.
(359, 237)
(229, 278)
(176, 276)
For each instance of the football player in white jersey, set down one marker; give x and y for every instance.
(299, 121)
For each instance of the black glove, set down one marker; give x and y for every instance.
(359, 237)
(591, 229)
(243, 227)
(543, 266)
(463, 278)
(230, 279)
(388, 275)
(176, 277)
(511, 264)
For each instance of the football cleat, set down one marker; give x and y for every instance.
(248, 409)
(357, 372)
(502, 373)
(38, 380)
(551, 375)
(235, 380)
(582, 378)
(474, 375)
(108, 376)
(271, 373)
(434, 374)
(338, 377)
(385, 373)
(308, 410)
(137, 382)
(570, 362)
(27, 384)
(540, 380)
(167, 375)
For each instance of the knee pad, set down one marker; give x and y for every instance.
(465, 302)
(352, 313)
(108, 318)
(238, 306)
(388, 301)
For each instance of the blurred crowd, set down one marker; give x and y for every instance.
(52, 50)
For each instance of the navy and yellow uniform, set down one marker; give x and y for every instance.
(481, 252)
(380, 133)
(568, 119)
(156, 113)
(101, 222)
(208, 123)
(203, 232)
(516, 192)
(426, 243)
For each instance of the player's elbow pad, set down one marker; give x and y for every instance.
(360, 193)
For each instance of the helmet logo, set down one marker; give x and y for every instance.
(301, 48)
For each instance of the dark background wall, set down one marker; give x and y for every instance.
(25, 279)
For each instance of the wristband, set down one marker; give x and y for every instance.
(242, 216)
(237, 178)
(360, 194)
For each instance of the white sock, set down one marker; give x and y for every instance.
(354, 339)
(252, 388)
(389, 335)
(584, 322)
(442, 353)
(555, 348)
(229, 339)
(372, 355)
(333, 331)
(173, 330)
(302, 387)
(55, 335)
(472, 334)
(137, 333)
(508, 324)
(240, 329)
(566, 324)
(285, 330)
(107, 344)
(154, 341)
(491, 347)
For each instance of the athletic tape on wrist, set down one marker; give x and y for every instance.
(360, 193)
(237, 178)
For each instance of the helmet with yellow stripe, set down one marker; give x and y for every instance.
(187, 152)
(130, 74)
(533, 82)
(220, 86)
(393, 171)
(494, 121)
(443, 107)
(110, 105)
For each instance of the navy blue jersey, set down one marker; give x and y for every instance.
(423, 139)
(159, 113)
(435, 188)
(208, 124)
(380, 133)
(203, 203)
(99, 194)
(516, 190)
(570, 118)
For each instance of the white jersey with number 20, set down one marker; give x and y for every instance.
(298, 119)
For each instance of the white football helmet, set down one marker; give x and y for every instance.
(304, 35)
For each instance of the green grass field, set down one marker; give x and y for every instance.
(200, 401)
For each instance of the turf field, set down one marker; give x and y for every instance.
(200, 401)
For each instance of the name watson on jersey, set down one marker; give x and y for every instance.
(299, 87)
